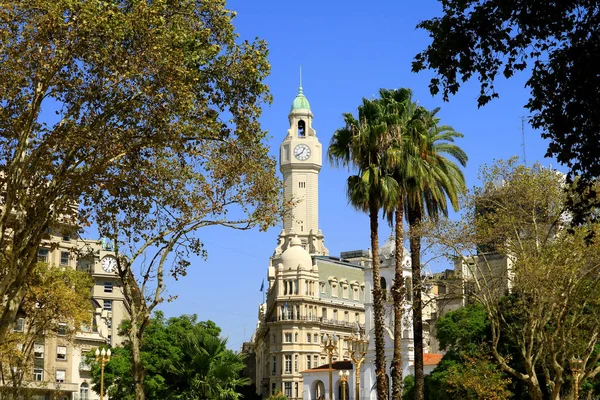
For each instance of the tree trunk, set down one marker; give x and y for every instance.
(415, 258)
(382, 385)
(137, 368)
(398, 295)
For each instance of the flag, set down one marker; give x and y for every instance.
(262, 286)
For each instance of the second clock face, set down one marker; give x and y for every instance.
(109, 264)
(302, 152)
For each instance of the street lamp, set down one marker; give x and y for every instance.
(330, 346)
(577, 368)
(102, 357)
(57, 392)
(344, 378)
(359, 346)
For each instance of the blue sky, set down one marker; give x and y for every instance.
(348, 50)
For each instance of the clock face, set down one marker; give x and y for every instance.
(109, 264)
(302, 152)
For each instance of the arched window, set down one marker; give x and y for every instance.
(301, 129)
(84, 391)
(383, 287)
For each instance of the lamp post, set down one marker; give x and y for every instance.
(57, 392)
(102, 357)
(344, 378)
(359, 346)
(330, 346)
(577, 368)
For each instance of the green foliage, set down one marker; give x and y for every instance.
(465, 329)
(554, 43)
(183, 358)
(277, 396)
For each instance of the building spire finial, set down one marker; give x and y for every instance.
(300, 88)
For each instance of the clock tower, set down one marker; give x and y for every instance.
(300, 161)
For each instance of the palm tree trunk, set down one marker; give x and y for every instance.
(398, 295)
(382, 385)
(415, 259)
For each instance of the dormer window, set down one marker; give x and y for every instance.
(301, 129)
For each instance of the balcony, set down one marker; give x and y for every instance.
(83, 366)
(320, 320)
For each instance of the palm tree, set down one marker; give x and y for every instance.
(208, 370)
(432, 181)
(398, 112)
(365, 144)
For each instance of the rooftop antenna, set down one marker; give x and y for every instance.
(523, 140)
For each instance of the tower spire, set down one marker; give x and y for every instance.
(300, 88)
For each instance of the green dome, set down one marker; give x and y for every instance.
(300, 101)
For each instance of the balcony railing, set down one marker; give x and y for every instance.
(324, 321)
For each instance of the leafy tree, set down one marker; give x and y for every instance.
(182, 357)
(543, 298)
(155, 135)
(364, 144)
(465, 329)
(54, 295)
(140, 91)
(555, 42)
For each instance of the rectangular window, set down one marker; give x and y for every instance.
(64, 258)
(357, 317)
(335, 318)
(109, 337)
(316, 361)
(308, 366)
(62, 329)
(287, 338)
(288, 364)
(66, 237)
(346, 316)
(324, 313)
(273, 388)
(61, 375)
(356, 293)
(295, 338)
(108, 305)
(61, 353)
(42, 255)
(345, 291)
(109, 323)
(108, 287)
(308, 337)
(296, 363)
(322, 285)
(334, 290)
(19, 325)
(288, 389)
(274, 369)
(38, 374)
(296, 390)
(38, 350)
(316, 338)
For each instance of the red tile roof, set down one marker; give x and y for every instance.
(336, 365)
(432, 358)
